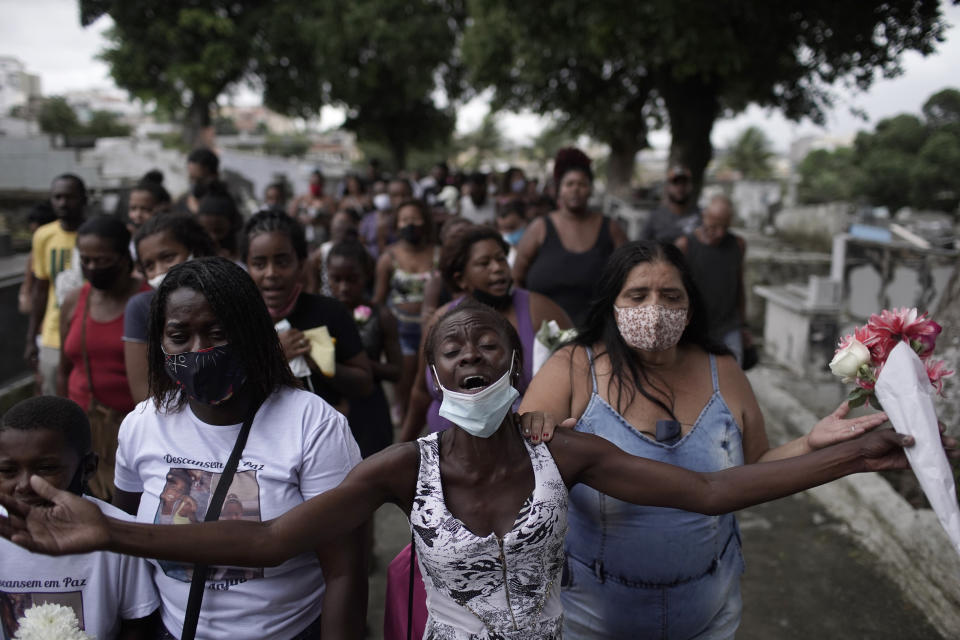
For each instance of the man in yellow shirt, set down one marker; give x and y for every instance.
(53, 245)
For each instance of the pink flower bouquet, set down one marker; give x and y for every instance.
(890, 361)
(860, 356)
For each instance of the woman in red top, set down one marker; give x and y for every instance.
(92, 371)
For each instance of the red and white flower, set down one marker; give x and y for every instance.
(861, 355)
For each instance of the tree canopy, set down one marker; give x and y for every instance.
(58, 117)
(383, 60)
(750, 155)
(904, 161)
(55, 115)
(618, 68)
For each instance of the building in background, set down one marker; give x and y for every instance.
(17, 87)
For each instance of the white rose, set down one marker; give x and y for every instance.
(847, 361)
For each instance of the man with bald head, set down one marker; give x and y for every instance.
(715, 257)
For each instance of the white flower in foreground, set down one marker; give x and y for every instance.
(50, 622)
(848, 360)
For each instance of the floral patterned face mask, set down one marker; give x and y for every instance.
(651, 327)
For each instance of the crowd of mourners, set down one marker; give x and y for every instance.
(196, 364)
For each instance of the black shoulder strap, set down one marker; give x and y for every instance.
(213, 513)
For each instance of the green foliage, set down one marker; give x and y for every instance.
(568, 60)
(935, 175)
(287, 146)
(58, 117)
(178, 54)
(382, 59)
(553, 138)
(386, 60)
(105, 124)
(828, 176)
(905, 161)
(483, 143)
(750, 154)
(942, 109)
(615, 70)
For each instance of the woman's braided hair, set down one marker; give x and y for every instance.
(236, 302)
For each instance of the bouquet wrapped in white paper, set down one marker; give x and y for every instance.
(49, 622)
(903, 389)
(890, 361)
(546, 341)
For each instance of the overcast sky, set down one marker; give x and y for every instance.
(46, 35)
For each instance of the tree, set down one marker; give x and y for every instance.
(942, 109)
(935, 175)
(615, 68)
(381, 59)
(828, 176)
(750, 154)
(569, 62)
(183, 55)
(58, 117)
(484, 142)
(385, 61)
(105, 124)
(886, 158)
(551, 139)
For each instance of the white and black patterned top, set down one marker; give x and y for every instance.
(491, 588)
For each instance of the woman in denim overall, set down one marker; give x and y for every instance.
(649, 572)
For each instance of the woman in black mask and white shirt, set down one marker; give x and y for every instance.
(214, 359)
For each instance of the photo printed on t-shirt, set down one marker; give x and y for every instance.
(185, 499)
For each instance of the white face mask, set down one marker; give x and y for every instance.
(381, 201)
(479, 414)
(156, 280)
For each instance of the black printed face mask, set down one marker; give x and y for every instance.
(210, 376)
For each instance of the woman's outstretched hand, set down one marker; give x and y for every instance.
(69, 524)
(537, 426)
(837, 428)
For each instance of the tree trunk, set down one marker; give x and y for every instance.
(623, 154)
(692, 106)
(196, 127)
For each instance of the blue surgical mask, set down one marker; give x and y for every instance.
(479, 414)
(512, 238)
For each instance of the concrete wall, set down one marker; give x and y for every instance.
(29, 164)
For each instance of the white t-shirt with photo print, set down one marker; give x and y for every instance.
(101, 587)
(298, 447)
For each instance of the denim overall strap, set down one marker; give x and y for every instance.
(713, 373)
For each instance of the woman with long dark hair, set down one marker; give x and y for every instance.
(643, 374)
(214, 362)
